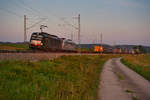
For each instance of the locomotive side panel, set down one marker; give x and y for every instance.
(67, 45)
(45, 42)
(54, 43)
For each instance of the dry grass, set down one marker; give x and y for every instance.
(139, 63)
(10, 48)
(14, 46)
(64, 78)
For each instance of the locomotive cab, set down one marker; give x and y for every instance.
(36, 40)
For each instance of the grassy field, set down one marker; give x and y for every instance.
(64, 78)
(139, 63)
(13, 46)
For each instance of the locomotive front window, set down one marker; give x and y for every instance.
(36, 37)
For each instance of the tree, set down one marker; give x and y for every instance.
(139, 49)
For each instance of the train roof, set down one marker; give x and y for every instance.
(44, 33)
(69, 41)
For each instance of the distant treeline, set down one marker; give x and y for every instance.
(12, 42)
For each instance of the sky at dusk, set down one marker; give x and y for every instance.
(120, 21)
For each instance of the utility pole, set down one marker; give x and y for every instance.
(79, 30)
(101, 39)
(72, 36)
(25, 34)
(27, 28)
(101, 46)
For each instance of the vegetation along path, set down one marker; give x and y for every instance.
(118, 82)
(65, 78)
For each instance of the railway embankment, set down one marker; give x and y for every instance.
(37, 56)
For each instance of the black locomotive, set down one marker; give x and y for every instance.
(45, 41)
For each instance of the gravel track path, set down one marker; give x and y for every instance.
(118, 82)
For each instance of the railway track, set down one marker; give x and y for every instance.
(17, 51)
(35, 55)
(22, 51)
(40, 51)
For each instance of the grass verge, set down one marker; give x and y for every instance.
(139, 63)
(64, 78)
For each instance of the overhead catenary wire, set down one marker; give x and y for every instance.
(27, 6)
(21, 4)
(36, 23)
(10, 12)
(29, 9)
(17, 5)
(35, 10)
(60, 18)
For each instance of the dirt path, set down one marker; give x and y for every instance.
(118, 82)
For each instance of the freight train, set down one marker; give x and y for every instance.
(48, 42)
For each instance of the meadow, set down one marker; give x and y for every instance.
(139, 63)
(14, 46)
(64, 78)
